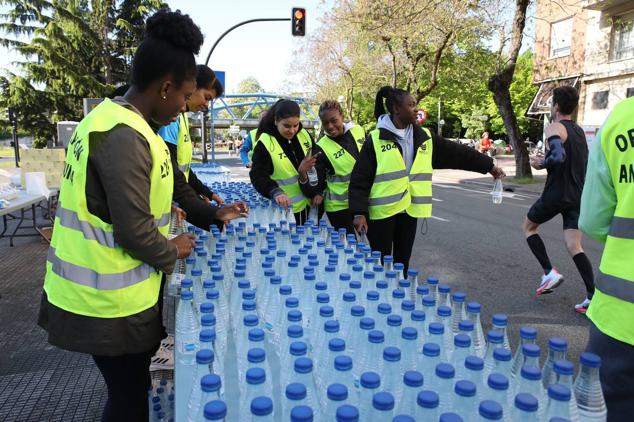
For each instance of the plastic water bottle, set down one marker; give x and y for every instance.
(430, 358)
(497, 389)
(343, 375)
(418, 321)
(393, 330)
(301, 414)
(372, 351)
(186, 345)
(303, 373)
(462, 349)
(473, 313)
(563, 371)
(257, 386)
(443, 316)
(500, 323)
(490, 410)
(558, 402)
(313, 179)
(204, 366)
(464, 399)
(525, 409)
(412, 383)
(256, 358)
(530, 382)
(437, 335)
(382, 407)
(336, 395)
(427, 406)
(495, 339)
(466, 327)
(429, 306)
(412, 277)
(215, 410)
(444, 295)
(587, 389)
(557, 347)
(391, 371)
(409, 348)
(443, 384)
(370, 384)
(295, 395)
(496, 192)
(529, 356)
(261, 409)
(528, 335)
(210, 386)
(475, 371)
(503, 362)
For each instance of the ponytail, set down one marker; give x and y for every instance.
(278, 111)
(392, 97)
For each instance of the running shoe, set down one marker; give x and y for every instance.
(583, 306)
(549, 282)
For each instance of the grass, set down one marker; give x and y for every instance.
(6, 152)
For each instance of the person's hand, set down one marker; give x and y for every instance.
(181, 215)
(497, 172)
(317, 200)
(536, 162)
(218, 199)
(232, 211)
(184, 244)
(283, 200)
(360, 224)
(306, 164)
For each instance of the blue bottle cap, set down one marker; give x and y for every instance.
(528, 333)
(398, 293)
(298, 348)
(347, 413)
(256, 334)
(431, 349)
(465, 325)
(498, 382)
(349, 297)
(190, 260)
(404, 284)
(357, 311)
(357, 268)
(382, 284)
(407, 305)
(394, 320)
(294, 331)
(531, 350)
(320, 285)
(187, 295)
(248, 305)
(409, 333)
(429, 301)
(462, 340)
(344, 277)
(413, 379)
(323, 298)
(495, 337)
(490, 410)
(422, 290)
(445, 370)
(187, 283)
(558, 344)
(531, 372)
(268, 273)
(209, 284)
(207, 335)
(436, 328)
(336, 345)
(376, 336)
(276, 279)
(366, 323)
(250, 320)
(256, 355)
(383, 401)
(256, 375)
(217, 277)
(330, 268)
(370, 380)
(378, 269)
(207, 308)
(309, 277)
(391, 274)
(474, 363)
(501, 354)
(248, 294)
(292, 302)
(244, 284)
(559, 392)
(372, 295)
(331, 326)
(215, 410)
(337, 392)
(403, 418)
(391, 354)
(444, 311)
(210, 383)
(286, 289)
(197, 272)
(296, 391)
(384, 308)
(343, 363)
(526, 402)
(301, 414)
(418, 315)
(474, 307)
(465, 388)
(212, 294)
(427, 399)
(450, 417)
(204, 356)
(368, 275)
(208, 320)
(261, 406)
(326, 311)
(563, 367)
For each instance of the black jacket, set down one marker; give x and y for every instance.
(262, 165)
(199, 213)
(446, 155)
(324, 166)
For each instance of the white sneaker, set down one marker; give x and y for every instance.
(550, 281)
(583, 306)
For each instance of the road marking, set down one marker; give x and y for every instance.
(437, 200)
(440, 218)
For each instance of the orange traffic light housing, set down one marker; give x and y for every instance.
(298, 22)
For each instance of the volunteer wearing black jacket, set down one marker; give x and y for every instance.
(281, 159)
(390, 186)
(339, 149)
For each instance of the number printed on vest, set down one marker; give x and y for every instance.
(339, 153)
(387, 147)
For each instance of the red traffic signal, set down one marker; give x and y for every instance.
(298, 22)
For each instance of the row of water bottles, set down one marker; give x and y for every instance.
(304, 320)
(161, 401)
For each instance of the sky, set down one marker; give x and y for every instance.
(264, 50)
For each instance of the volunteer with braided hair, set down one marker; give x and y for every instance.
(340, 148)
(390, 187)
(281, 159)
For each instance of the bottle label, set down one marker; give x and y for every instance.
(186, 348)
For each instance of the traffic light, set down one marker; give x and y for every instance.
(298, 22)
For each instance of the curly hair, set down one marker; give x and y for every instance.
(330, 105)
(171, 41)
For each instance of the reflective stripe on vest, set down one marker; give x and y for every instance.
(87, 273)
(184, 147)
(394, 189)
(284, 173)
(336, 195)
(612, 308)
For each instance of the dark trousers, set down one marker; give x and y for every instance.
(393, 236)
(617, 374)
(341, 220)
(128, 380)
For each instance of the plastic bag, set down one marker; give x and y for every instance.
(496, 193)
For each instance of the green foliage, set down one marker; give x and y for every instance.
(71, 49)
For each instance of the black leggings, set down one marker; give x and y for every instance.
(128, 380)
(393, 236)
(341, 220)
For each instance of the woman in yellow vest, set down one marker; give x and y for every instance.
(109, 246)
(340, 148)
(282, 158)
(390, 187)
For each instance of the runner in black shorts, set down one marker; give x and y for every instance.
(565, 161)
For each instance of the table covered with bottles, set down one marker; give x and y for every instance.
(279, 322)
